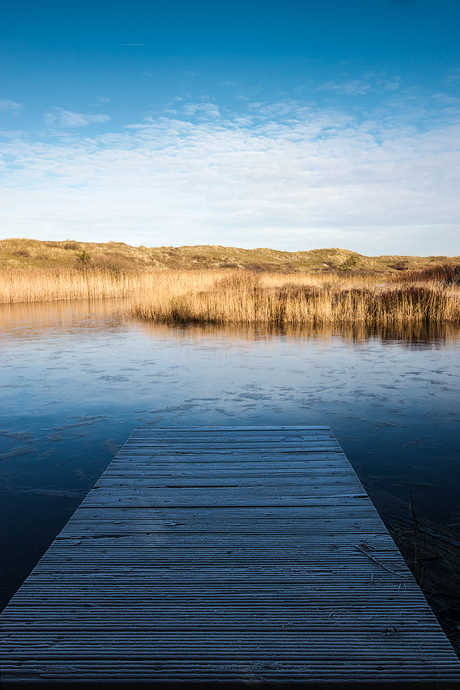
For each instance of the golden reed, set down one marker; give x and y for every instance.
(46, 284)
(243, 297)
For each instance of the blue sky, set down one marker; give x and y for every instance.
(294, 125)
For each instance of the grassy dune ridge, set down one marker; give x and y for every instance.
(423, 290)
(117, 256)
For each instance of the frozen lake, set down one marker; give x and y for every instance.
(77, 378)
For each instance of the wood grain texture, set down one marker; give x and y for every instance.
(229, 556)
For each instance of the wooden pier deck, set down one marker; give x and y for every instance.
(225, 556)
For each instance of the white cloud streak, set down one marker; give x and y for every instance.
(10, 106)
(66, 118)
(317, 179)
(351, 87)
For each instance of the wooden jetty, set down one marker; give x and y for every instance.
(225, 556)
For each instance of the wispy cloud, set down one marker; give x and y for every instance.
(452, 77)
(350, 87)
(66, 118)
(446, 99)
(316, 178)
(10, 106)
(391, 85)
(201, 110)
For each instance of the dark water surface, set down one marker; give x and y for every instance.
(77, 378)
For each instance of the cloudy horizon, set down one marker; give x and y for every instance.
(249, 151)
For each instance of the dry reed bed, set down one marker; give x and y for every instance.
(42, 284)
(20, 285)
(247, 298)
(242, 297)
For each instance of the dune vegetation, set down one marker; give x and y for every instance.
(422, 290)
(117, 256)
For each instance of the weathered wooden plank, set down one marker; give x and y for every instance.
(147, 501)
(225, 480)
(244, 440)
(232, 429)
(218, 446)
(235, 554)
(221, 460)
(337, 485)
(238, 515)
(243, 461)
(223, 470)
(232, 437)
(89, 530)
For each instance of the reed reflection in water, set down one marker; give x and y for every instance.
(78, 377)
